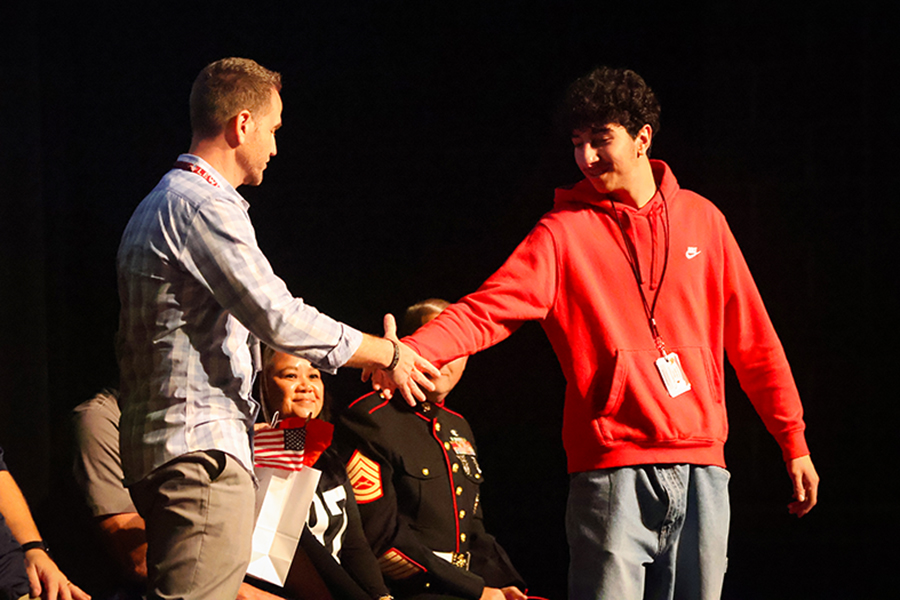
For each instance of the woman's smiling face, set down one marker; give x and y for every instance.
(294, 387)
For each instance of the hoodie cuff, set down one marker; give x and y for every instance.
(794, 445)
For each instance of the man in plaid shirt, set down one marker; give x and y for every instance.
(197, 296)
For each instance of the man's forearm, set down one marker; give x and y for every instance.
(373, 352)
(15, 510)
(126, 534)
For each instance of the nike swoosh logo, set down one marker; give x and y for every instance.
(691, 252)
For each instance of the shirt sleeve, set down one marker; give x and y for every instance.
(523, 289)
(222, 252)
(757, 355)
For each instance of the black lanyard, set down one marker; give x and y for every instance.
(631, 255)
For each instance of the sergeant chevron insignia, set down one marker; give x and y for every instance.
(365, 477)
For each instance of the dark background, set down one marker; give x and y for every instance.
(417, 151)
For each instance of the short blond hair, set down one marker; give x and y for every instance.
(418, 314)
(225, 88)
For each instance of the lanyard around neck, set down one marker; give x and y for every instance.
(631, 255)
(188, 166)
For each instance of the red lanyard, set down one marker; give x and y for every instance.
(186, 166)
(631, 255)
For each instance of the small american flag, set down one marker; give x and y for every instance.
(291, 445)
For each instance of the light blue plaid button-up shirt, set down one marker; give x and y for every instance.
(194, 286)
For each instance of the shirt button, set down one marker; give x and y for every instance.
(459, 491)
(425, 471)
(455, 467)
(462, 537)
(462, 514)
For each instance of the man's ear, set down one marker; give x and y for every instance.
(237, 128)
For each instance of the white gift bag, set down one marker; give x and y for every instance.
(282, 505)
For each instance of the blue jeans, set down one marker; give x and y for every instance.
(650, 532)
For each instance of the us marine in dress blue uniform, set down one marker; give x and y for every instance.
(416, 477)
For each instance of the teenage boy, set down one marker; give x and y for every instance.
(642, 290)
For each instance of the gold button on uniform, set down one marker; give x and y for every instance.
(459, 491)
(455, 467)
(446, 445)
(437, 426)
(425, 471)
(462, 537)
(462, 514)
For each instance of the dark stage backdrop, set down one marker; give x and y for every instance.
(417, 151)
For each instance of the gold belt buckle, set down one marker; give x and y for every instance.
(461, 560)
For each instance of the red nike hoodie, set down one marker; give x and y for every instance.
(572, 274)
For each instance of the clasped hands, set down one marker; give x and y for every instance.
(410, 375)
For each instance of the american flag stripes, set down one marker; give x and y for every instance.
(291, 445)
(280, 448)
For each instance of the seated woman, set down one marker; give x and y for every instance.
(333, 540)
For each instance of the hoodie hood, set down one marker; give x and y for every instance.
(643, 230)
(584, 192)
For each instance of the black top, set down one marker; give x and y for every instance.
(416, 477)
(355, 554)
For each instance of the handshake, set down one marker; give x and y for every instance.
(392, 365)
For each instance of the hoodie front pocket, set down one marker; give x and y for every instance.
(639, 409)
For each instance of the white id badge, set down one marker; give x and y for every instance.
(672, 374)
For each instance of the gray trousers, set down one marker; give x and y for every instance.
(198, 511)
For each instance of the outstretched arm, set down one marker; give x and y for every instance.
(806, 485)
(523, 289)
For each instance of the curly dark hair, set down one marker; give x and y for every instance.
(606, 96)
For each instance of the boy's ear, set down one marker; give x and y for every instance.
(644, 139)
